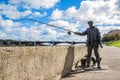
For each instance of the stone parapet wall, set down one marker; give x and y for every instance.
(38, 62)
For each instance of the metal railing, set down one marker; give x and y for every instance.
(37, 43)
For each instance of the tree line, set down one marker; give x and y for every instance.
(111, 37)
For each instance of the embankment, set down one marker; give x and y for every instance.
(38, 62)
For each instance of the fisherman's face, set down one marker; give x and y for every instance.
(90, 24)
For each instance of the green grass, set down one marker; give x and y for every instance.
(114, 43)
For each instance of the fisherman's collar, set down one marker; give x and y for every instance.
(92, 27)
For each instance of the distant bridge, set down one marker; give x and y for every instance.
(37, 43)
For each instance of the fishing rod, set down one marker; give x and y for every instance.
(69, 31)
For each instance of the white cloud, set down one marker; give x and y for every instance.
(8, 25)
(23, 32)
(57, 14)
(89, 10)
(38, 14)
(117, 4)
(70, 12)
(6, 7)
(11, 11)
(66, 24)
(100, 11)
(16, 14)
(36, 4)
(2, 35)
(60, 14)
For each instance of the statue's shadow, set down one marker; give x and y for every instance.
(85, 70)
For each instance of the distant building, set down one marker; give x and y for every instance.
(113, 32)
(111, 35)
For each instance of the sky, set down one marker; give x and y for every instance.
(68, 14)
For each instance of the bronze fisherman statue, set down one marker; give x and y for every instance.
(93, 42)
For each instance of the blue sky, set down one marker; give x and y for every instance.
(68, 14)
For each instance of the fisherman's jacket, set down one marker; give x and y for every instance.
(93, 36)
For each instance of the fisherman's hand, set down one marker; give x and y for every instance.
(101, 46)
(76, 32)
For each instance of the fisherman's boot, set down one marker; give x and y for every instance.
(94, 61)
(98, 63)
(88, 62)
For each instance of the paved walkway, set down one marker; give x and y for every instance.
(110, 65)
